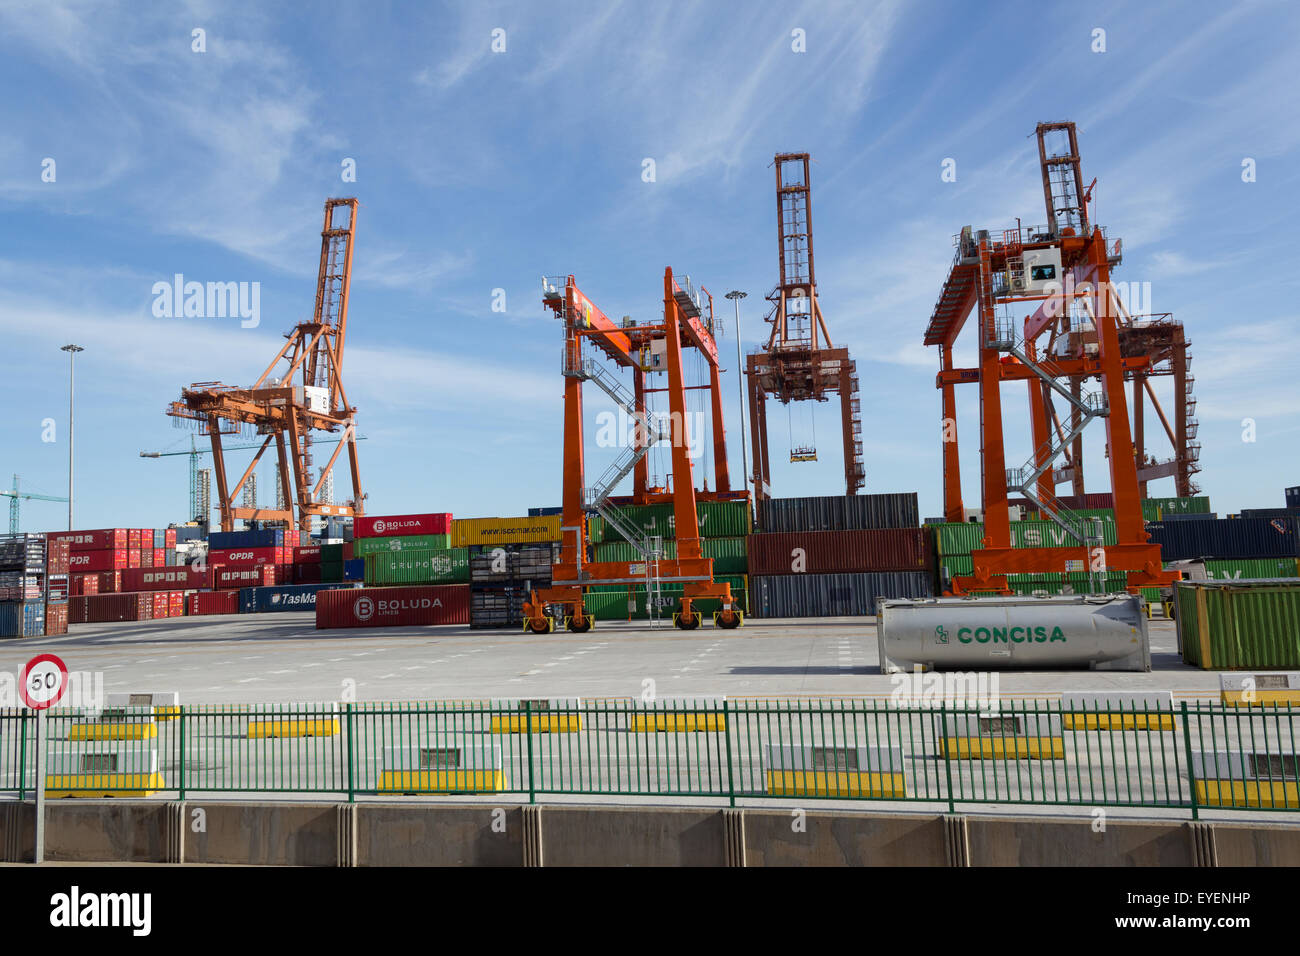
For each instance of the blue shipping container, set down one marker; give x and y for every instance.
(354, 570)
(544, 512)
(270, 538)
(285, 597)
(1227, 538)
(22, 618)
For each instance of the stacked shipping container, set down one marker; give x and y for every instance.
(834, 556)
(412, 574)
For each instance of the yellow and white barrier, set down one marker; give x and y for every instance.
(553, 716)
(1237, 779)
(834, 771)
(103, 769)
(1241, 689)
(473, 768)
(166, 704)
(680, 715)
(115, 723)
(1117, 710)
(296, 720)
(991, 736)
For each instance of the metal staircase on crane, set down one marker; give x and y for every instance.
(1091, 405)
(596, 498)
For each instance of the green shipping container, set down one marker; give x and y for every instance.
(331, 553)
(1153, 509)
(447, 566)
(1239, 625)
(611, 602)
(364, 547)
(1236, 569)
(729, 554)
(963, 538)
(718, 519)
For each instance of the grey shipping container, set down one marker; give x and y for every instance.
(497, 607)
(832, 595)
(839, 513)
(498, 566)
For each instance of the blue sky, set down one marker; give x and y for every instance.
(479, 171)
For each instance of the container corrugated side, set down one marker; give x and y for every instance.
(393, 607)
(479, 531)
(730, 555)
(839, 512)
(418, 567)
(22, 618)
(836, 552)
(619, 603)
(832, 595)
(1239, 625)
(1227, 538)
(1229, 569)
(962, 538)
(715, 519)
(364, 547)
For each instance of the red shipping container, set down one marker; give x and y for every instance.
(839, 552)
(163, 579)
(79, 584)
(109, 539)
(160, 557)
(306, 574)
(246, 557)
(133, 539)
(98, 560)
(176, 604)
(307, 555)
(246, 576)
(169, 538)
(161, 604)
(389, 607)
(56, 619)
(57, 555)
(101, 608)
(214, 602)
(110, 582)
(388, 526)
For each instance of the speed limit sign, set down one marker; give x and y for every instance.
(43, 681)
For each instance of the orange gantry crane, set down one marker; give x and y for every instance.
(1075, 335)
(644, 348)
(287, 408)
(799, 362)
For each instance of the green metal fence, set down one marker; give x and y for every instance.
(1188, 756)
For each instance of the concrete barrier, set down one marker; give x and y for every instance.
(1256, 844)
(439, 834)
(632, 836)
(267, 834)
(87, 831)
(1053, 841)
(433, 835)
(843, 839)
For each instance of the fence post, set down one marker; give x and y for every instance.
(181, 734)
(947, 756)
(22, 755)
(352, 791)
(528, 729)
(726, 733)
(1191, 773)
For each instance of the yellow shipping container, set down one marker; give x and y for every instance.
(477, 531)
